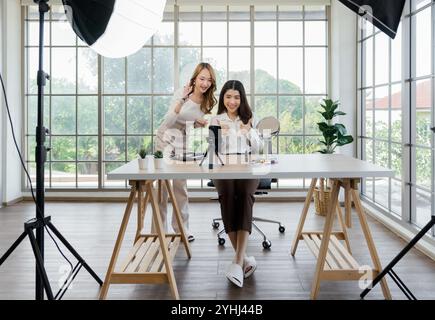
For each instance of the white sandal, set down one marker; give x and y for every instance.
(235, 274)
(250, 263)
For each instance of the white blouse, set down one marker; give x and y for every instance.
(235, 140)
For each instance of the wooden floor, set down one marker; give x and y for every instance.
(92, 227)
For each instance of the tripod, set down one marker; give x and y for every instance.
(213, 140)
(389, 268)
(40, 222)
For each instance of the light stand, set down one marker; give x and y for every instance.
(42, 283)
(213, 140)
(389, 268)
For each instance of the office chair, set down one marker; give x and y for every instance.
(268, 128)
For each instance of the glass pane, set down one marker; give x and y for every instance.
(315, 70)
(189, 33)
(423, 207)
(312, 144)
(108, 167)
(139, 115)
(87, 114)
(265, 70)
(290, 12)
(160, 108)
(423, 42)
(190, 13)
(396, 56)
(381, 191)
(396, 113)
(31, 167)
(368, 186)
(63, 175)
(396, 197)
(165, 34)
(214, 33)
(139, 72)
(381, 113)
(114, 148)
(396, 159)
(87, 60)
(423, 160)
(33, 33)
(381, 58)
(265, 33)
(417, 4)
(239, 13)
(87, 148)
(63, 77)
(163, 77)
(63, 117)
(291, 145)
(291, 78)
(423, 92)
(265, 107)
(239, 33)
(114, 75)
(382, 153)
(290, 115)
(31, 144)
(315, 33)
(240, 65)
(62, 34)
(368, 67)
(32, 68)
(290, 33)
(368, 150)
(188, 59)
(368, 125)
(214, 12)
(114, 115)
(134, 144)
(217, 57)
(315, 12)
(312, 116)
(87, 175)
(63, 148)
(32, 113)
(263, 12)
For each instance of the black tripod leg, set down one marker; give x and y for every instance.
(13, 247)
(75, 254)
(40, 264)
(404, 251)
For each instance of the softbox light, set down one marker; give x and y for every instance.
(385, 14)
(114, 28)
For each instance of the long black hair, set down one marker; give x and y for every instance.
(244, 111)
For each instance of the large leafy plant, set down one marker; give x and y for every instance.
(334, 134)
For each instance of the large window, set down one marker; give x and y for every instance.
(396, 103)
(100, 111)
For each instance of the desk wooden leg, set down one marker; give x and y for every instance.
(370, 244)
(348, 205)
(300, 227)
(178, 217)
(121, 233)
(343, 227)
(329, 221)
(163, 245)
(142, 204)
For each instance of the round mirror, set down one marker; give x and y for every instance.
(268, 126)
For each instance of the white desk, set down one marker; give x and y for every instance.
(149, 263)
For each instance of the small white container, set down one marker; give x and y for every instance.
(143, 163)
(158, 163)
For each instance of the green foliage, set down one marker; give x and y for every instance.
(333, 134)
(158, 154)
(143, 153)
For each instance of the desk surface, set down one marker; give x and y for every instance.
(287, 167)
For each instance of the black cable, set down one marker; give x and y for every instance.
(27, 174)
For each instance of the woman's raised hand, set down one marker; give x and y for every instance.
(244, 128)
(200, 123)
(187, 90)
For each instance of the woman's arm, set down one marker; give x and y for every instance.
(178, 100)
(252, 135)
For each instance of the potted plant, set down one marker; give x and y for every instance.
(334, 135)
(158, 159)
(142, 159)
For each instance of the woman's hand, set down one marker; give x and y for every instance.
(200, 123)
(224, 127)
(187, 90)
(244, 128)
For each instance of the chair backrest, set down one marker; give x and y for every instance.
(268, 125)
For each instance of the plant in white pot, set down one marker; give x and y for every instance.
(142, 159)
(158, 159)
(334, 135)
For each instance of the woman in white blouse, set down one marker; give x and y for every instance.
(236, 196)
(188, 106)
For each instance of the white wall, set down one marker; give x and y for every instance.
(11, 56)
(344, 68)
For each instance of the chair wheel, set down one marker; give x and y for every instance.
(267, 244)
(221, 241)
(281, 229)
(215, 225)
